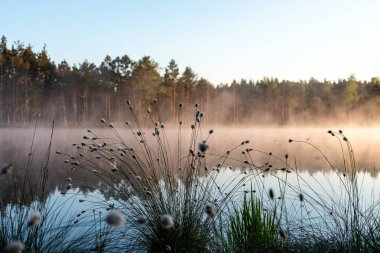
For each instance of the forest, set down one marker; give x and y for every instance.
(79, 94)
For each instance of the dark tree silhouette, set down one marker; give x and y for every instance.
(30, 82)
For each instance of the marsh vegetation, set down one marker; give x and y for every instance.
(162, 175)
(138, 188)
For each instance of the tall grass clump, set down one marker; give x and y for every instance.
(36, 222)
(171, 198)
(332, 215)
(252, 228)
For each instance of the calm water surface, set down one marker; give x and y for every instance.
(315, 172)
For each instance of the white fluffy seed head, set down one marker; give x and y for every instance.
(203, 146)
(6, 169)
(15, 247)
(167, 221)
(115, 218)
(142, 219)
(34, 219)
(210, 210)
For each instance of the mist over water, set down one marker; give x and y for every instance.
(365, 142)
(15, 147)
(15, 143)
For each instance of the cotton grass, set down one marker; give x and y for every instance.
(174, 190)
(178, 192)
(15, 247)
(115, 218)
(142, 220)
(166, 221)
(34, 219)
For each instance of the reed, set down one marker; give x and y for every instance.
(170, 199)
(177, 200)
(41, 225)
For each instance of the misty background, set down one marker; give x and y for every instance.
(80, 94)
(295, 64)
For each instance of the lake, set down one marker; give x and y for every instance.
(320, 173)
(15, 147)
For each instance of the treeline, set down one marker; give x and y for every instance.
(30, 83)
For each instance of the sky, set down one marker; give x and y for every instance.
(220, 40)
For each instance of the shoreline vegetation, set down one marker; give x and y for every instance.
(79, 94)
(182, 202)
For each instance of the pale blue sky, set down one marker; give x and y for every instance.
(220, 40)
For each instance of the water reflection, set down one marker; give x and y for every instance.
(15, 147)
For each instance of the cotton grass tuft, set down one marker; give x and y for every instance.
(34, 219)
(142, 220)
(15, 247)
(115, 218)
(203, 146)
(210, 210)
(167, 221)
